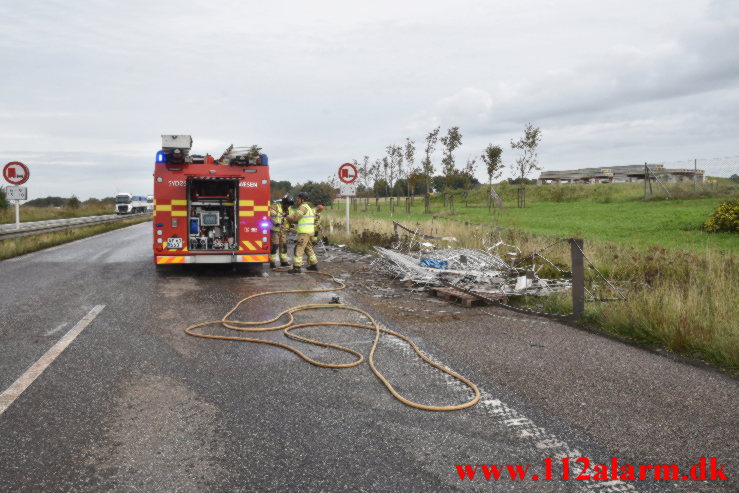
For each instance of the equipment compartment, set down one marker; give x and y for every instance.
(212, 206)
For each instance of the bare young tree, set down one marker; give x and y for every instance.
(333, 181)
(527, 161)
(364, 172)
(469, 173)
(469, 168)
(491, 156)
(395, 165)
(427, 165)
(377, 171)
(409, 153)
(451, 141)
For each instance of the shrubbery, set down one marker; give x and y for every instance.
(724, 219)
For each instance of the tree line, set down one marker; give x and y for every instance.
(396, 173)
(53, 201)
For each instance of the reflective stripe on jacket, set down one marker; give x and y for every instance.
(275, 216)
(305, 223)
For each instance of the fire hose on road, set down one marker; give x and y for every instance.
(289, 326)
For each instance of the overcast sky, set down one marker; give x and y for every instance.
(87, 88)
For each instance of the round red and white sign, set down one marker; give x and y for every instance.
(16, 173)
(347, 173)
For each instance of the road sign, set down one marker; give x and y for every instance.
(347, 189)
(347, 173)
(16, 193)
(16, 173)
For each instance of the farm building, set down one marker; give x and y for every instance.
(621, 174)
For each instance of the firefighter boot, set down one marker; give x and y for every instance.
(273, 265)
(294, 270)
(284, 264)
(313, 267)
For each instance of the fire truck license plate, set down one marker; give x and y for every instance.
(174, 242)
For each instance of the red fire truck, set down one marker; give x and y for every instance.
(209, 210)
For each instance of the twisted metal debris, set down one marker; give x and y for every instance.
(472, 270)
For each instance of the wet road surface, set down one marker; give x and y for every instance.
(134, 404)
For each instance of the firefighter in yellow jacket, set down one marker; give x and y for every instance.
(278, 231)
(305, 228)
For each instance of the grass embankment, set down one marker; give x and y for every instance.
(13, 247)
(683, 298)
(29, 214)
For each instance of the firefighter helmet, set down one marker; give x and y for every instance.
(287, 200)
(303, 195)
(319, 208)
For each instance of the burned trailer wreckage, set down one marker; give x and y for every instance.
(496, 273)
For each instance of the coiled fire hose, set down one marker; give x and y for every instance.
(289, 326)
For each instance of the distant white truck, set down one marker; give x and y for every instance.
(149, 203)
(125, 203)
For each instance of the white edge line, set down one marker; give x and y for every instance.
(24, 381)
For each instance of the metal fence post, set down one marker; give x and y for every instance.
(645, 181)
(578, 277)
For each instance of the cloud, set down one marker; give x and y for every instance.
(317, 84)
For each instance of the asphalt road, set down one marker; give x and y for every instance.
(134, 404)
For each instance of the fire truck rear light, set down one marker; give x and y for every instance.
(174, 222)
(264, 239)
(159, 240)
(161, 157)
(159, 232)
(264, 225)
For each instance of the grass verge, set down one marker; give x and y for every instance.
(679, 300)
(30, 214)
(26, 244)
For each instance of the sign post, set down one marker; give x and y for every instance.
(16, 173)
(347, 175)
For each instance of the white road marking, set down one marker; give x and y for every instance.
(536, 439)
(24, 381)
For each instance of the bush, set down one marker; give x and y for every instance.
(318, 193)
(3, 201)
(73, 202)
(724, 219)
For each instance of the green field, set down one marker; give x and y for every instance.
(672, 224)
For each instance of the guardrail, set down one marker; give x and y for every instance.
(8, 231)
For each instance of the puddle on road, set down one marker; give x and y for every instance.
(175, 288)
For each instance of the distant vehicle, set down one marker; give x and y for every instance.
(125, 203)
(150, 203)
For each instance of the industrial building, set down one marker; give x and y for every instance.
(621, 174)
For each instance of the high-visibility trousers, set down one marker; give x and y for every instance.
(279, 245)
(304, 245)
